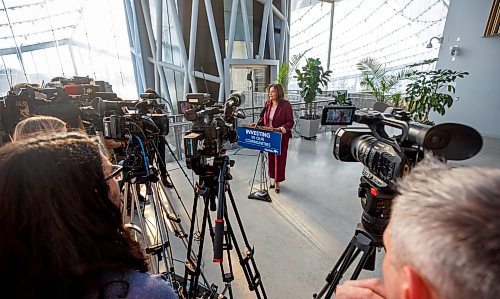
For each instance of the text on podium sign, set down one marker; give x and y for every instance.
(261, 140)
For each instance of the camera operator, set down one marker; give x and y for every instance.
(443, 237)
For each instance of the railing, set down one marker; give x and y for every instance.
(179, 125)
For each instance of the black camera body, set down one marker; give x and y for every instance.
(121, 119)
(213, 125)
(387, 157)
(67, 99)
(119, 127)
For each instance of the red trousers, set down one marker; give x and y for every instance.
(277, 163)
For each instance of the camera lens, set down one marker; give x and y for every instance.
(362, 149)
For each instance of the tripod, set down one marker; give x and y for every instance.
(154, 244)
(262, 193)
(152, 232)
(213, 185)
(362, 241)
(376, 205)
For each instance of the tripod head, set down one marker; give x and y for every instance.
(376, 203)
(209, 174)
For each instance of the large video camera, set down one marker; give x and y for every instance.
(212, 126)
(388, 157)
(67, 99)
(121, 119)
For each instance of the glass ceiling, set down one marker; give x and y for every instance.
(30, 22)
(42, 39)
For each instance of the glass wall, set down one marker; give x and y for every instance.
(45, 39)
(393, 32)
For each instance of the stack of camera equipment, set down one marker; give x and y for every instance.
(387, 157)
(67, 99)
(213, 125)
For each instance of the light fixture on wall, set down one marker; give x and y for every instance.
(439, 39)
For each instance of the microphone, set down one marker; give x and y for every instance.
(262, 112)
(235, 99)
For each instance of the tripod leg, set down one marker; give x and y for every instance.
(178, 163)
(193, 266)
(139, 233)
(359, 243)
(364, 258)
(190, 260)
(175, 224)
(252, 274)
(125, 201)
(161, 230)
(337, 272)
(351, 255)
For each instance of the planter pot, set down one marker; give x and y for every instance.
(309, 127)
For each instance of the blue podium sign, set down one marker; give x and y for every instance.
(261, 140)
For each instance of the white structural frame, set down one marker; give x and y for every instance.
(187, 56)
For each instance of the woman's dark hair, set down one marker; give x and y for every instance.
(279, 89)
(60, 232)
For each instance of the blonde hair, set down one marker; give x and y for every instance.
(35, 125)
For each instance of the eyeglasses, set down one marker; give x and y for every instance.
(116, 173)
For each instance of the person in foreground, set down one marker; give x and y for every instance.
(62, 231)
(443, 237)
(278, 114)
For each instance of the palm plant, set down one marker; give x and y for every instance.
(282, 77)
(379, 81)
(286, 70)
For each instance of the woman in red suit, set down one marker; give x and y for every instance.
(278, 114)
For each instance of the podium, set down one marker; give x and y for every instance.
(265, 140)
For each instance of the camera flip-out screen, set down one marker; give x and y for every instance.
(337, 115)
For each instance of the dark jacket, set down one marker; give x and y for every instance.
(283, 117)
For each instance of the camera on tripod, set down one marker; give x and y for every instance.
(213, 125)
(389, 157)
(389, 146)
(121, 119)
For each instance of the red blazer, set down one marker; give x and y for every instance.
(283, 117)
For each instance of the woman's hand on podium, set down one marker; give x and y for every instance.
(283, 130)
(253, 125)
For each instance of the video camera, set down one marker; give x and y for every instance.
(212, 126)
(67, 99)
(145, 118)
(389, 157)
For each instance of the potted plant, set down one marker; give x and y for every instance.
(310, 79)
(427, 92)
(377, 80)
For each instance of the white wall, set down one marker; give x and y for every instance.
(478, 103)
